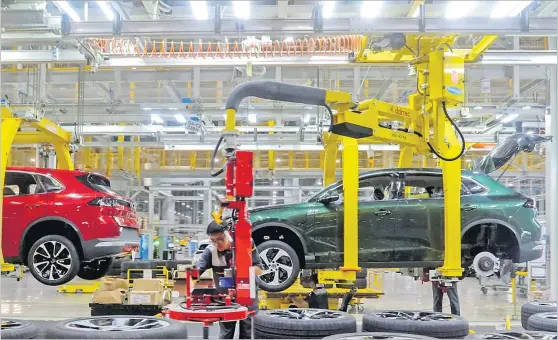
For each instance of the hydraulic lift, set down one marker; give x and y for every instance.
(424, 126)
(29, 130)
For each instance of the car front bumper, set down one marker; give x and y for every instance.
(531, 251)
(106, 247)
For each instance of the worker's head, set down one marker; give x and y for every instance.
(218, 236)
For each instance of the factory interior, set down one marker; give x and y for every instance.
(279, 169)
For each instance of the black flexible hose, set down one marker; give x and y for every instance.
(458, 132)
(330, 117)
(212, 164)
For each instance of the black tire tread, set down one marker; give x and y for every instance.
(457, 328)
(380, 335)
(538, 322)
(28, 330)
(176, 330)
(296, 265)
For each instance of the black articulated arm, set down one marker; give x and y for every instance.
(274, 90)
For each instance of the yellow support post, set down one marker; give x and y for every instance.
(87, 154)
(120, 151)
(137, 163)
(270, 153)
(192, 160)
(290, 160)
(306, 160)
(329, 158)
(350, 204)
(9, 130)
(132, 92)
(108, 162)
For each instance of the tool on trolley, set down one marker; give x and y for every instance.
(208, 305)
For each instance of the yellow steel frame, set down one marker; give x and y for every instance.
(17, 130)
(423, 128)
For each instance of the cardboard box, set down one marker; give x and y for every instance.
(139, 297)
(148, 284)
(109, 284)
(109, 297)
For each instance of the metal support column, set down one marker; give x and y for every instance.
(552, 157)
(207, 202)
(516, 95)
(167, 214)
(150, 222)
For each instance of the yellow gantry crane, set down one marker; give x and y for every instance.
(18, 130)
(424, 126)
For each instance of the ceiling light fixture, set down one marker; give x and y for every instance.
(180, 118)
(459, 9)
(530, 132)
(156, 119)
(199, 9)
(417, 12)
(306, 118)
(106, 7)
(510, 117)
(327, 9)
(506, 9)
(370, 9)
(241, 9)
(478, 107)
(252, 118)
(527, 107)
(65, 7)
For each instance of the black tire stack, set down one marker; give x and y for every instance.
(377, 335)
(426, 323)
(302, 323)
(115, 268)
(18, 329)
(535, 307)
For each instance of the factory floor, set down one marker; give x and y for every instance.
(28, 299)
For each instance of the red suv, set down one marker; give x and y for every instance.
(64, 223)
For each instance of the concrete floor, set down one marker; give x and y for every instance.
(31, 300)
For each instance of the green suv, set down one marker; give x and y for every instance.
(401, 225)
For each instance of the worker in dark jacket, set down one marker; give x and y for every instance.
(438, 294)
(218, 257)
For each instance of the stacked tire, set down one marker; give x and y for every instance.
(377, 335)
(117, 327)
(513, 335)
(302, 323)
(18, 329)
(544, 322)
(426, 323)
(535, 307)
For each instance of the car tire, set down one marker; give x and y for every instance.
(302, 323)
(535, 307)
(427, 323)
(545, 322)
(280, 258)
(359, 283)
(96, 269)
(18, 329)
(103, 327)
(115, 268)
(512, 335)
(377, 335)
(66, 267)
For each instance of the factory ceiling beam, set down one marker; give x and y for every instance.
(188, 28)
(56, 77)
(41, 56)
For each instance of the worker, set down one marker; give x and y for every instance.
(438, 291)
(218, 257)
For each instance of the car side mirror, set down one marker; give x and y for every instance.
(329, 198)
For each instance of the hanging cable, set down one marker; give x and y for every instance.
(460, 136)
(330, 117)
(212, 163)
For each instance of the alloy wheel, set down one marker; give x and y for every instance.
(517, 335)
(117, 324)
(52, 260)
(10, 324)
(278, 266)
(415, 316)
(305, 314)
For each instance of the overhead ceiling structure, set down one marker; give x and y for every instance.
(158, 63)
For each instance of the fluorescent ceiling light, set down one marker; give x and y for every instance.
(107, 9)
(327, 9)
(306, 118)
(180, 118)
(155, 118)
(278, 160)
(527, 107)
(509, 118)
(417, 12)
(459, 9)
(241, 9)
(65, 7)
(478, 107)
(499, 116)
(288, 39)
(199, 9)
(252, 118)
(504, 9)
(370, 8)
(530, 132)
